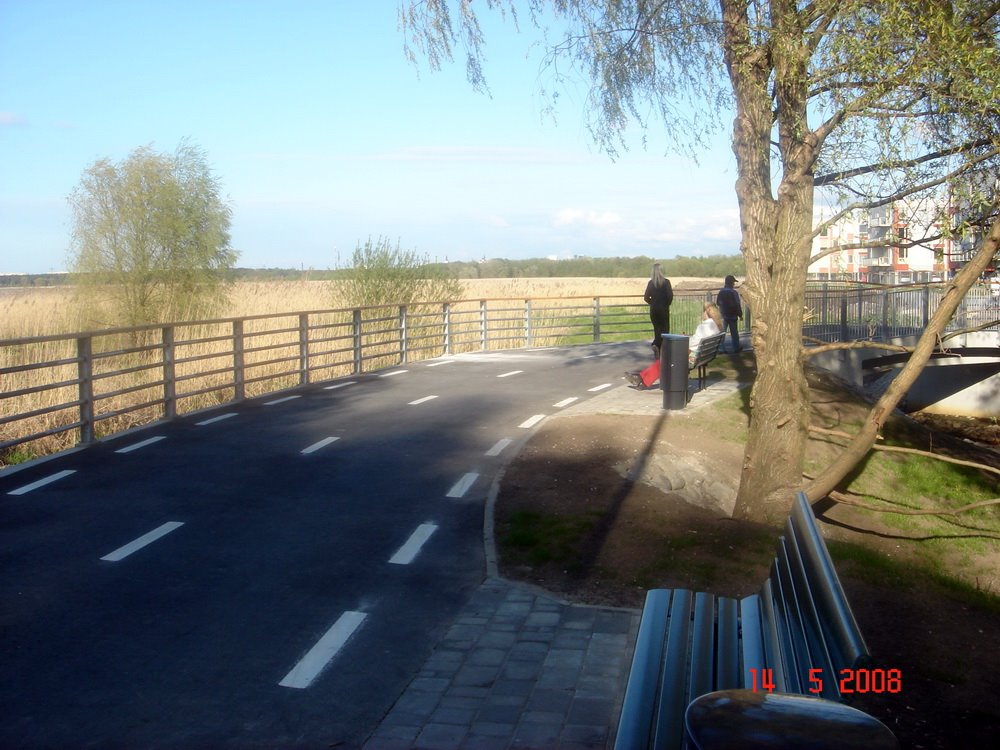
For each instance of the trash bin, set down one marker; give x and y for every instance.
(674, 370)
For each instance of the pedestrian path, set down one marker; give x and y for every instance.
(518, 669)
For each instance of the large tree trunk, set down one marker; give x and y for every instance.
(779, 400)
(777, 234)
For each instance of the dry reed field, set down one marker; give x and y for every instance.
(129, 369)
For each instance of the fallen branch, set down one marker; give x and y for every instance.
(973, 329)
(813, 350)
(840, 497)
(913, 451)
(844, 499)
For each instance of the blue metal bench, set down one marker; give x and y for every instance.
(690, 644)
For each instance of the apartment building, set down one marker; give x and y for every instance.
(902, 245)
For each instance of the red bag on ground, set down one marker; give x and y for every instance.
(651, 374)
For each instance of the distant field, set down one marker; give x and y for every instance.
(46, 396)
(38, 311)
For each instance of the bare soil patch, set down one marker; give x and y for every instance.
(578, 485)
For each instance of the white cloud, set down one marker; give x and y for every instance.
(10, 118)
(600, 219)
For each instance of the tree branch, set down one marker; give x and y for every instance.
(840, 497)
(904, 193)
(834, 474)
(824, 347)
(825, 179)
(910, 451)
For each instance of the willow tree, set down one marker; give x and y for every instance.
(851, 102)
(151, 235)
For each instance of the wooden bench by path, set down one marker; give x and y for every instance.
(707, 349)
(797, 635)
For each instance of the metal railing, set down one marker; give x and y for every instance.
(852, 311)
(59, 390)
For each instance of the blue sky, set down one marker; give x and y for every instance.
(322, 134)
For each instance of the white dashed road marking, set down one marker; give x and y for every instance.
(498, 448)
(335, 386)
(600, 387)
(390, 374)
(565, 402)
(529, 423)
(512, 372)
(213, 420)
(422, 400)
(408, 552)
(42, 482)
(319, 656)
(143, 444)
(463, 485)
(321, 444)
(122, 552)
(281, 400)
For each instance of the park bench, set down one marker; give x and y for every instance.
(797, 635)
(708, 347)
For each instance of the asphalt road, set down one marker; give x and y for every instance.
(268, 574)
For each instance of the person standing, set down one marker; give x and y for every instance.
(658, 296)
(728, 301)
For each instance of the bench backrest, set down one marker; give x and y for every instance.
(708, 347)
(812, 626)
(690, 643)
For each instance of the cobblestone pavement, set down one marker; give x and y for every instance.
(518, 669)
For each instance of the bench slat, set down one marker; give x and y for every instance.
(789, 622)
(636, 722)
(846, 646)
(809, 640)
(752, 639)
(702, 645)
(771, 623)
(668, 729)
(727, 660)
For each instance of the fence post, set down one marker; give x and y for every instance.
(403, 334)
(843, 318)
(482, 325)
(169, 375)
(597, 320)
(356, 335)
(303, 348)
(527, 322)
(884, 333)
(446, 323)
(826, 301)
(239, 368)
(85, 377)
(925, 303)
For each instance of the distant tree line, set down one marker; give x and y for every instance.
(712, 266)
(639, 266)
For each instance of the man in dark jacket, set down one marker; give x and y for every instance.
(731, 309)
